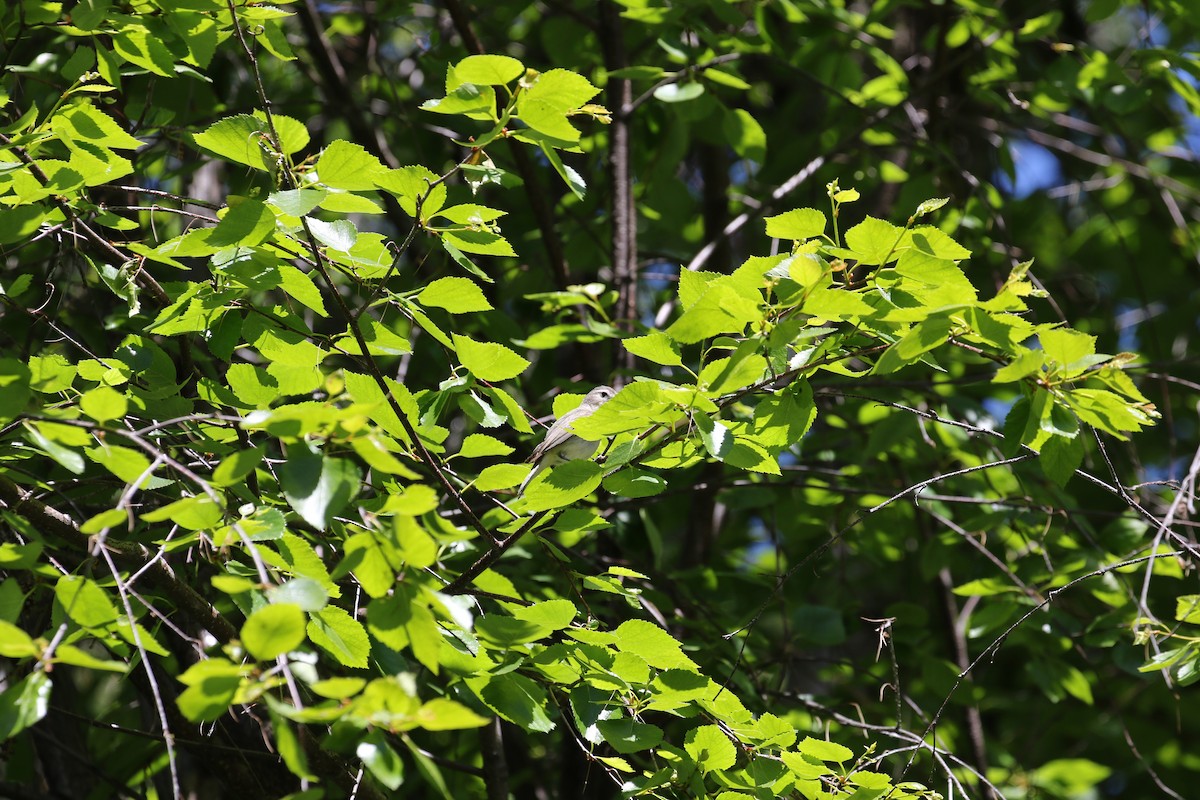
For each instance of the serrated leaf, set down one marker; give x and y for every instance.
(337, 235)
(488, 361)
(345, 165)
(488, 70)
(655, 346)
(874, 241)
(710, 748)
(456, 295)
(929, 206)
(627, 735)
(657, 647)
(797, 225)
(340, 635)
(562, 485)
(238, 138)
(545, 106)
(85, 121)
(317, 486)
(273, 630)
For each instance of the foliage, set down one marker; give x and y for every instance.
(286, 296)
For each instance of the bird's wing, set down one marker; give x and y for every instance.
(558, 433)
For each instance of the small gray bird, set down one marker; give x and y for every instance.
(561, 444)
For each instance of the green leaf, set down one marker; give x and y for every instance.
(443, 714)
(340, 635)
(635, 483)
(1067, 347)
(501, 476)
(829, 752)
(488, 69)
(679, 92)
(298, 202)
(318, 487)
(571, 178)
(509, 632)
(929, 206)
(478, 445)
(18, 223)
(65, 456)
(239, 138)
(874, 241)
(136, 45)
(710, 748)
(84, 601)
(299, 286)
(921, 338)
(1070, 776)
(655, 346)
(376, 455)
(1107, 411)
(563, 485)
(488, 361)
(516, 698)
(50, 374)
(545, 106)
(14, 386)
(551, 614)
(461, 259)
(85, 121)
(725, 375)
(836, 304)
(212, 685)
(627, 735)
(783, 419)
(24, 703)
(469, 99)
(747, 138)
(70, 654)
(14, 642)
(932, 241)
(456, 295)
(306, 593)
(248, 222)
(1187, 608)
(470, 214)
(381, 760)
(399, 621)
(715, 435)
(416, 547)
(273, 630)
(726, 79)
(345, 165)
(337, 235)
(105, 519)
(236, 466)
(720, 309)
(797, 225)
(367, 560)
(196, 513)
(252, 386)
(103, 404)
(1025, 364)
(410, 184)
(125, 463)
(289, 747)
(381, 340)
(481, 242)
(1060, 456)
(657, 647)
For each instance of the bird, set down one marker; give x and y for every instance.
(561, 443)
